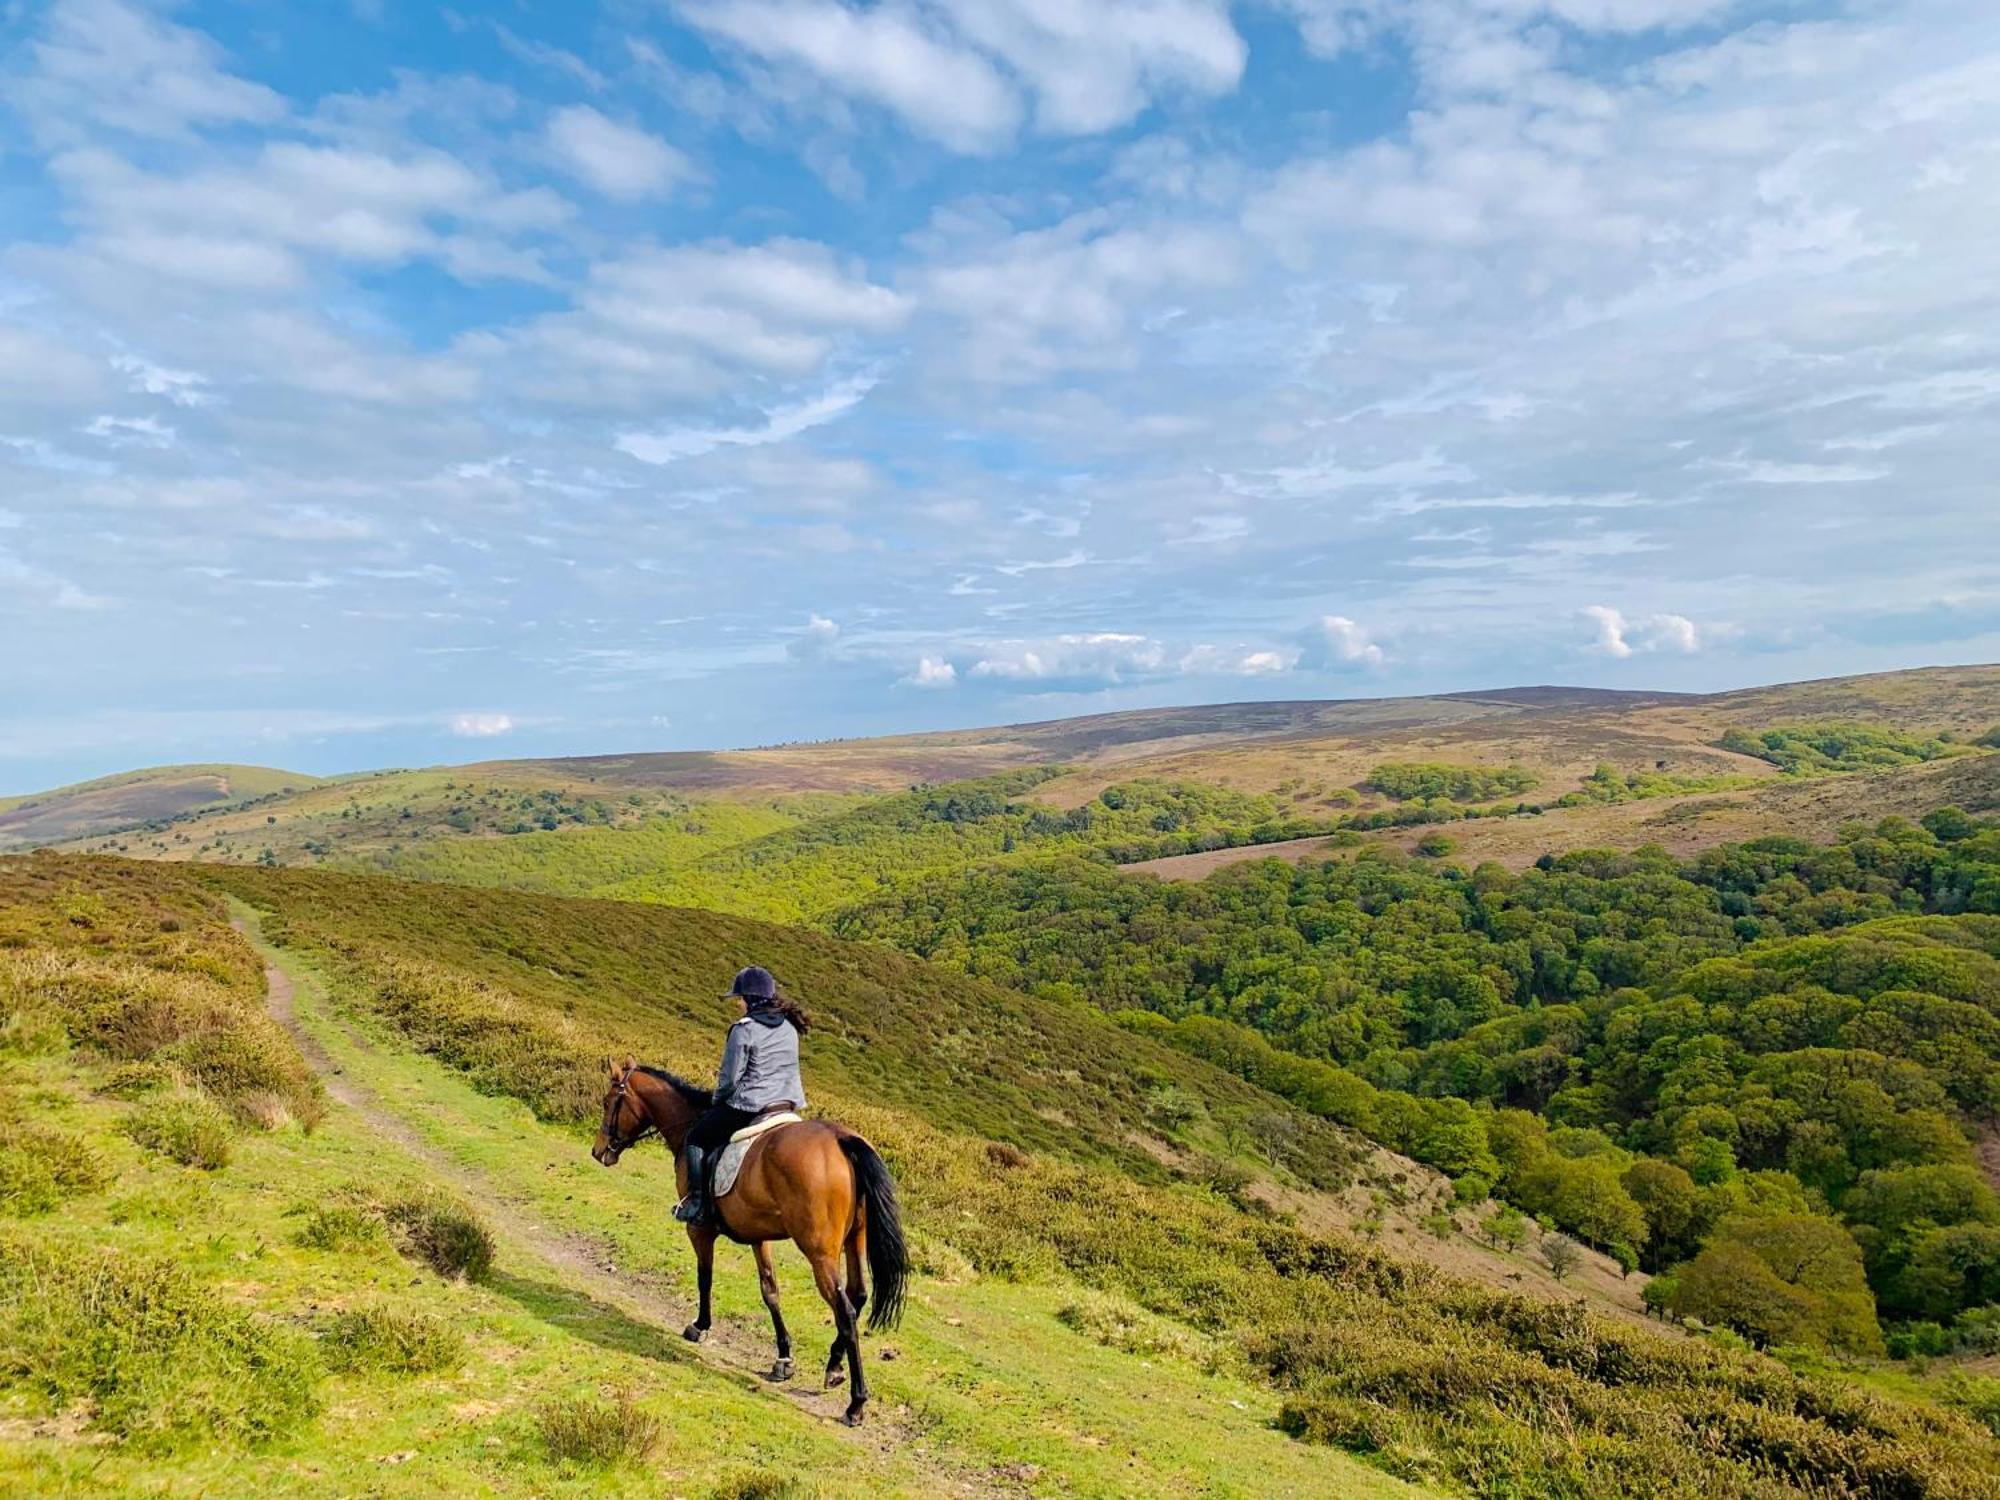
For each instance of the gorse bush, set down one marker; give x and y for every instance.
(43, 1168)
(158, 1356)
(190, 1127)
(587, 1430)
(395, 1340)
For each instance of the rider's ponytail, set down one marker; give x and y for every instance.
(792, 1011)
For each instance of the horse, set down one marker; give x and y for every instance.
(815, 1183)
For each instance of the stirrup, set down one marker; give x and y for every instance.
(691, 1209)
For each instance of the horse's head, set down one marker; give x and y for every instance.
(624, 1120)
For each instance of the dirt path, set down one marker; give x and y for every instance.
(587, 1266)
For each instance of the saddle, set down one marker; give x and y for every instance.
(730, 1160)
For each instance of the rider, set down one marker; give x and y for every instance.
(760, 1073)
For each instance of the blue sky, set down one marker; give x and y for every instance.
(382, 384)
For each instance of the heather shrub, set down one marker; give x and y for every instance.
(159, 1358)
(390, 1339)
(189, 1127)
(587, 1430)
(41, 1168)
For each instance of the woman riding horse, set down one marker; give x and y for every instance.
(813, 1182)
(759, 1075)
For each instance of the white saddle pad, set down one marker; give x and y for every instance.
(731, 1161)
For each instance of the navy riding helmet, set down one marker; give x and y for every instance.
(753, 983)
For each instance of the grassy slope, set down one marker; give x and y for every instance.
(990, 1392)
(991, 1395)
(1811, 808)
(111, 803)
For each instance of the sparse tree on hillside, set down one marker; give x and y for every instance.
(1562, 1253)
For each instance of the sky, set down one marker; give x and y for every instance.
(387, 384)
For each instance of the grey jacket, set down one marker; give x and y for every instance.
(760, 1067)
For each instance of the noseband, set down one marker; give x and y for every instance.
(615, 1106)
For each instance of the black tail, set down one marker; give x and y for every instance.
(888, 1256)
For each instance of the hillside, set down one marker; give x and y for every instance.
(109, 804)
(218, 1279)
(1102, 1305)
(1311, 760)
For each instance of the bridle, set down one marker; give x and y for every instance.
(614, 1105)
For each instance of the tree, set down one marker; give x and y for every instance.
(1949, 824)
(1783, 1279)
(1671, 1203)
(1562, 1253)
(1506, 1227)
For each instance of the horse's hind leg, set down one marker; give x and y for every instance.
(857, 1284)
(847, 1339)
(767, 1283)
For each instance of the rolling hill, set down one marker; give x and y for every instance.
(1137, 1272)
(1311, 759)
(133, 799)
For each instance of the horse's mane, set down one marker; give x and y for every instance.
(700, 1098)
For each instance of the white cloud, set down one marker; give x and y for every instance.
(1610, 630)
(1100, 658)
(1235, 661)
(695, 319)
(1618, 637)
(932, 672)
(957, 70)
(891, 57)
(620, 161)
(1072, 296)
(1335, 641)
(120, 66)
(482, 726)
(181, 387)
(779, 424)
(816, 642)
(146, 432)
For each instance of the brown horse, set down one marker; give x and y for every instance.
(815, 1183)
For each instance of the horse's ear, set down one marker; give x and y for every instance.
(610, 1064)
(631, 1062)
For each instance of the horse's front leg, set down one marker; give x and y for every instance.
(767, 1283)
(702, 1237)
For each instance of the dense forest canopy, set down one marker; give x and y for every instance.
(1647, 1053)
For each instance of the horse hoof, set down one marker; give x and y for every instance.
(782, 1370)
(694, 1333)
(835, 1377)
(853, 1417)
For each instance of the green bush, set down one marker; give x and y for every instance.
(764, 1484)
(1118, 1324)
(133, 1079)
(444, 1235)
(191, 1128)
(391, 1339)
(42, 1168)
(586, 1430)
(341, 1226)
(158, 1356)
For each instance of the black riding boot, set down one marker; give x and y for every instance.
(694, 1208)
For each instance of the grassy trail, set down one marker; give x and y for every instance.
(988, 1393)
